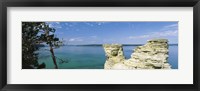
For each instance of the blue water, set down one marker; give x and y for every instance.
(89, 57)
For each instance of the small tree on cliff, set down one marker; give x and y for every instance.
(48, 37)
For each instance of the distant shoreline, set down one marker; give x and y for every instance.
(102, 44)
(122, 45)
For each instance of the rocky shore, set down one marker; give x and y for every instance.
(152, 55)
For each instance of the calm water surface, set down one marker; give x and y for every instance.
(90, 57)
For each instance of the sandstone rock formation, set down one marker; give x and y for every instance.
(114, 54)
(152, 55)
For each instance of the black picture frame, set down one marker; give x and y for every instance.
(99, 3)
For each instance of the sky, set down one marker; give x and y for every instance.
(78, 33)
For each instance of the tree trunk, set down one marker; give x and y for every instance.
(53, 57)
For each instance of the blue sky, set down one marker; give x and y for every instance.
(75, 33)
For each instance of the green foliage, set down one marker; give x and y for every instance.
(34, 33)
(47, 35)
(29, 39)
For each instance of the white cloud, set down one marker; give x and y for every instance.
(66, 23)
(70, 24)
(109, 41)
(138, 37)
(57, 22)
(54, 25)
(95, 23)
(171, 26)
(89, 24)
(93, 41)
(100, 23)
(166, 33)
(169, 30)
(93, 36)
(75, 39)
(156, 34)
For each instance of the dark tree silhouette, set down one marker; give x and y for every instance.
(34, 33)
(29, 40)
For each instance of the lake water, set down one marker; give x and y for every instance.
(90, 57)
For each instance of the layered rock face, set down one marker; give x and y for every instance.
(152, 55)
(114, 54)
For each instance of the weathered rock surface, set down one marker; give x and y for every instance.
(114, 54)
(152, 55)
